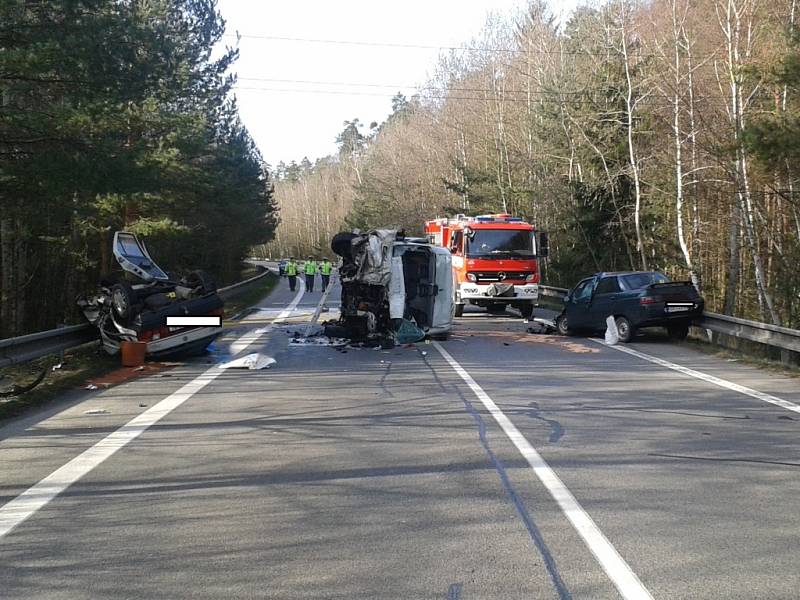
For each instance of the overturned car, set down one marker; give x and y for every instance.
(138, 312)
(394, 289)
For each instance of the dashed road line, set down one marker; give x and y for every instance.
(618, 571)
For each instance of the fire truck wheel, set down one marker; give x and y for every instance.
(526, 310)
(497, 308)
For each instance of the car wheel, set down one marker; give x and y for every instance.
(678, 332)
(122, 298)
(625, 329)
(526, 310)
(496, 308)
(562, 326)
(202, 280)
(459, 310)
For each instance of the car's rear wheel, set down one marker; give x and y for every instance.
(497, 308)
(562, 326)
(678, 332)
(625, 329)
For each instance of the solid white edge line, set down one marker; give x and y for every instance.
(723, 383)
(37, 496)
(618, 571)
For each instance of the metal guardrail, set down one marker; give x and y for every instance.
(35, 345)
(763, 333)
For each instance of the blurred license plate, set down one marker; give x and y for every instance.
(678, 307)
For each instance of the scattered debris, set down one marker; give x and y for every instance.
(91, 386)
(253, 362)
(96, 411)
(318, 340)
(142, 405)
(543, 326)
(506, 344)
(56, 367)
(139, 368)
(423, 353)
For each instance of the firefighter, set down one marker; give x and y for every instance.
(310, 269)
(291, 273)
(325, 272)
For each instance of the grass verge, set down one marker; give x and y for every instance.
(79, 364)
(252, 296)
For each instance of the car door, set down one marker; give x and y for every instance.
(603, 302)
(577, 306)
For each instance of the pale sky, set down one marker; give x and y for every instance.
(290, 118)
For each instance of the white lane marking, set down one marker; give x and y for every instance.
(620, 573)
(34, 498)
(250, 337)
(723, 383)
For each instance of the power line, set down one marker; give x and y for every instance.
(560, 52)
(458, 89)
(652, 100)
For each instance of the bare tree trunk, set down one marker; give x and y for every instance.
(732, 29)
(634, 163)
(7, 290)
(696, 240)
(677, 140)
(734, 261)
(22, 278)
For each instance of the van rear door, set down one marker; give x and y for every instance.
(443, 306)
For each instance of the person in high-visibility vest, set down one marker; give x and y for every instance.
(291, 272)
(325, 272)
(310, 269)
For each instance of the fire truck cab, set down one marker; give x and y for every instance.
(495, 260)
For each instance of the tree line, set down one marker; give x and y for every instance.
(641, 135)
(118, 115)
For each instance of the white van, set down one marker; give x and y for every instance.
(390, 281)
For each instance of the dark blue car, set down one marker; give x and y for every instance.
(636, 299)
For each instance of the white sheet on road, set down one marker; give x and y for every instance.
(253, 362)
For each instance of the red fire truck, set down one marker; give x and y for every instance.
(495, 260)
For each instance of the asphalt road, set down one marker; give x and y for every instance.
(499, 464)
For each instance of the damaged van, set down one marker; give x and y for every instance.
(394, 289)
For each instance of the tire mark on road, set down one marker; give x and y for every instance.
(556, 428)
(617, 569)
(508, 488)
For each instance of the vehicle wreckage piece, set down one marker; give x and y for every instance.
(123, 311)
(392, 286)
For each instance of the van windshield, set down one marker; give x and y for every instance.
(500, 242)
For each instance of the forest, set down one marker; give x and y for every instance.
(118, 115)
(660, 135)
